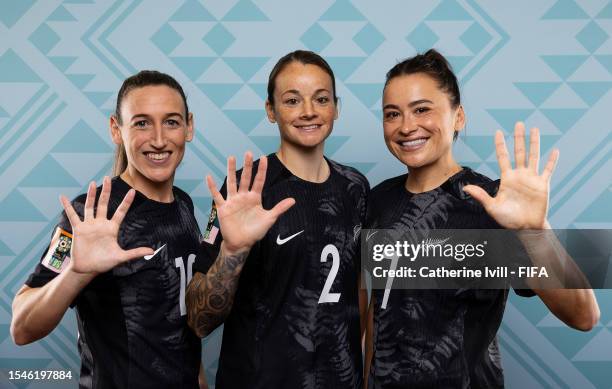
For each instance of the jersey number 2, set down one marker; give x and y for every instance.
(326, 295)
(179, 263)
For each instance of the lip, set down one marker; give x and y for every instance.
(412, 144)
(310, 127)
(158, 157)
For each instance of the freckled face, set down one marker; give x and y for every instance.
(304, 107)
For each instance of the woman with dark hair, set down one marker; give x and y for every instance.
(287, 289)
(447, 338)
(123, 253)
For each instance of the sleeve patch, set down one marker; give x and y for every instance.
(57, 257)
(212, 228)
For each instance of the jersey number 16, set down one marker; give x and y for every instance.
(179, 263)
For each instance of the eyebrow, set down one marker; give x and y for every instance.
(145, 116)
(411, 104)
(297, 92)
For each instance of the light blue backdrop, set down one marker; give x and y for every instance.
(61, 63)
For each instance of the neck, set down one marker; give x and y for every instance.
(156, 191)
(425, 178)
(307, 164)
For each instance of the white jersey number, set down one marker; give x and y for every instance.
(326, 295)
(179, 263)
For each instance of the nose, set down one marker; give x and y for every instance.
(308, 111)
(158, 137)
(408, 124)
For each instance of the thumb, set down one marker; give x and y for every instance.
(136, 253)
(479, 194)
(282, 207)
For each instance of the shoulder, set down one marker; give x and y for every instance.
(352, 175)
(183, 198)
(470, 177)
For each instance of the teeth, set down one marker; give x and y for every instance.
(158, 156)
(311, 127)
(415, 142)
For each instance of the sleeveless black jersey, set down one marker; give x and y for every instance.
(132, 320)
(295, 319)
(435, 338)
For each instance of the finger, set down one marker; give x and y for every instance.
(534, 150)
(282, 207)
(73, 217)
(212, 187)
(551, 164)
(501, 151)
(479, 194)
(102, 209)
(122, 209)
(89, 201)
(260, 178)
(231, 176)
(245, 178)
(139, 252)
(519, 145)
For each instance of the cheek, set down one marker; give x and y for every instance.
(330, 113)
(387, 131)
(430, 121)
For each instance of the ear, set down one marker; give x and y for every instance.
(338, 107)
(459, 118)
(115, 130)
(189, 134)
(270, 112)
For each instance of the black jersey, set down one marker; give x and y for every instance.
(132, 322)
(295, 319)
(435, 338)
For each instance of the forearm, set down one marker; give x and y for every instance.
(210, 296)
(37, 311)
(577, 307)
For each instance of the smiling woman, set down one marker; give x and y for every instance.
(286, 281)
(150, 129)
(128, 297)
(448, 338)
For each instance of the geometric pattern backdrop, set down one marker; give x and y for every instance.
(546, 62)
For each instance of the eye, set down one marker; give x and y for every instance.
(421, 110)
(390, 115)
(173, 123)
(291, 101)
(323, 100)
(140, 124)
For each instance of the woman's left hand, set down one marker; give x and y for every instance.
(522, 199)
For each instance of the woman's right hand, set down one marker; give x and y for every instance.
(242, 218)
(94, 244)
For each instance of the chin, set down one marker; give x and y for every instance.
(159, 177)
(306, 143)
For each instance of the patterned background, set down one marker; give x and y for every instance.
(61, 63)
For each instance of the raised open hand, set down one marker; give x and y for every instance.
(94, 247)
(242, 218)
(522, 199)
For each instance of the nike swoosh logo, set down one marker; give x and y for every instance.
(280, 241)
(147, 257)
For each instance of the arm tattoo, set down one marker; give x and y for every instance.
(210, 296)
